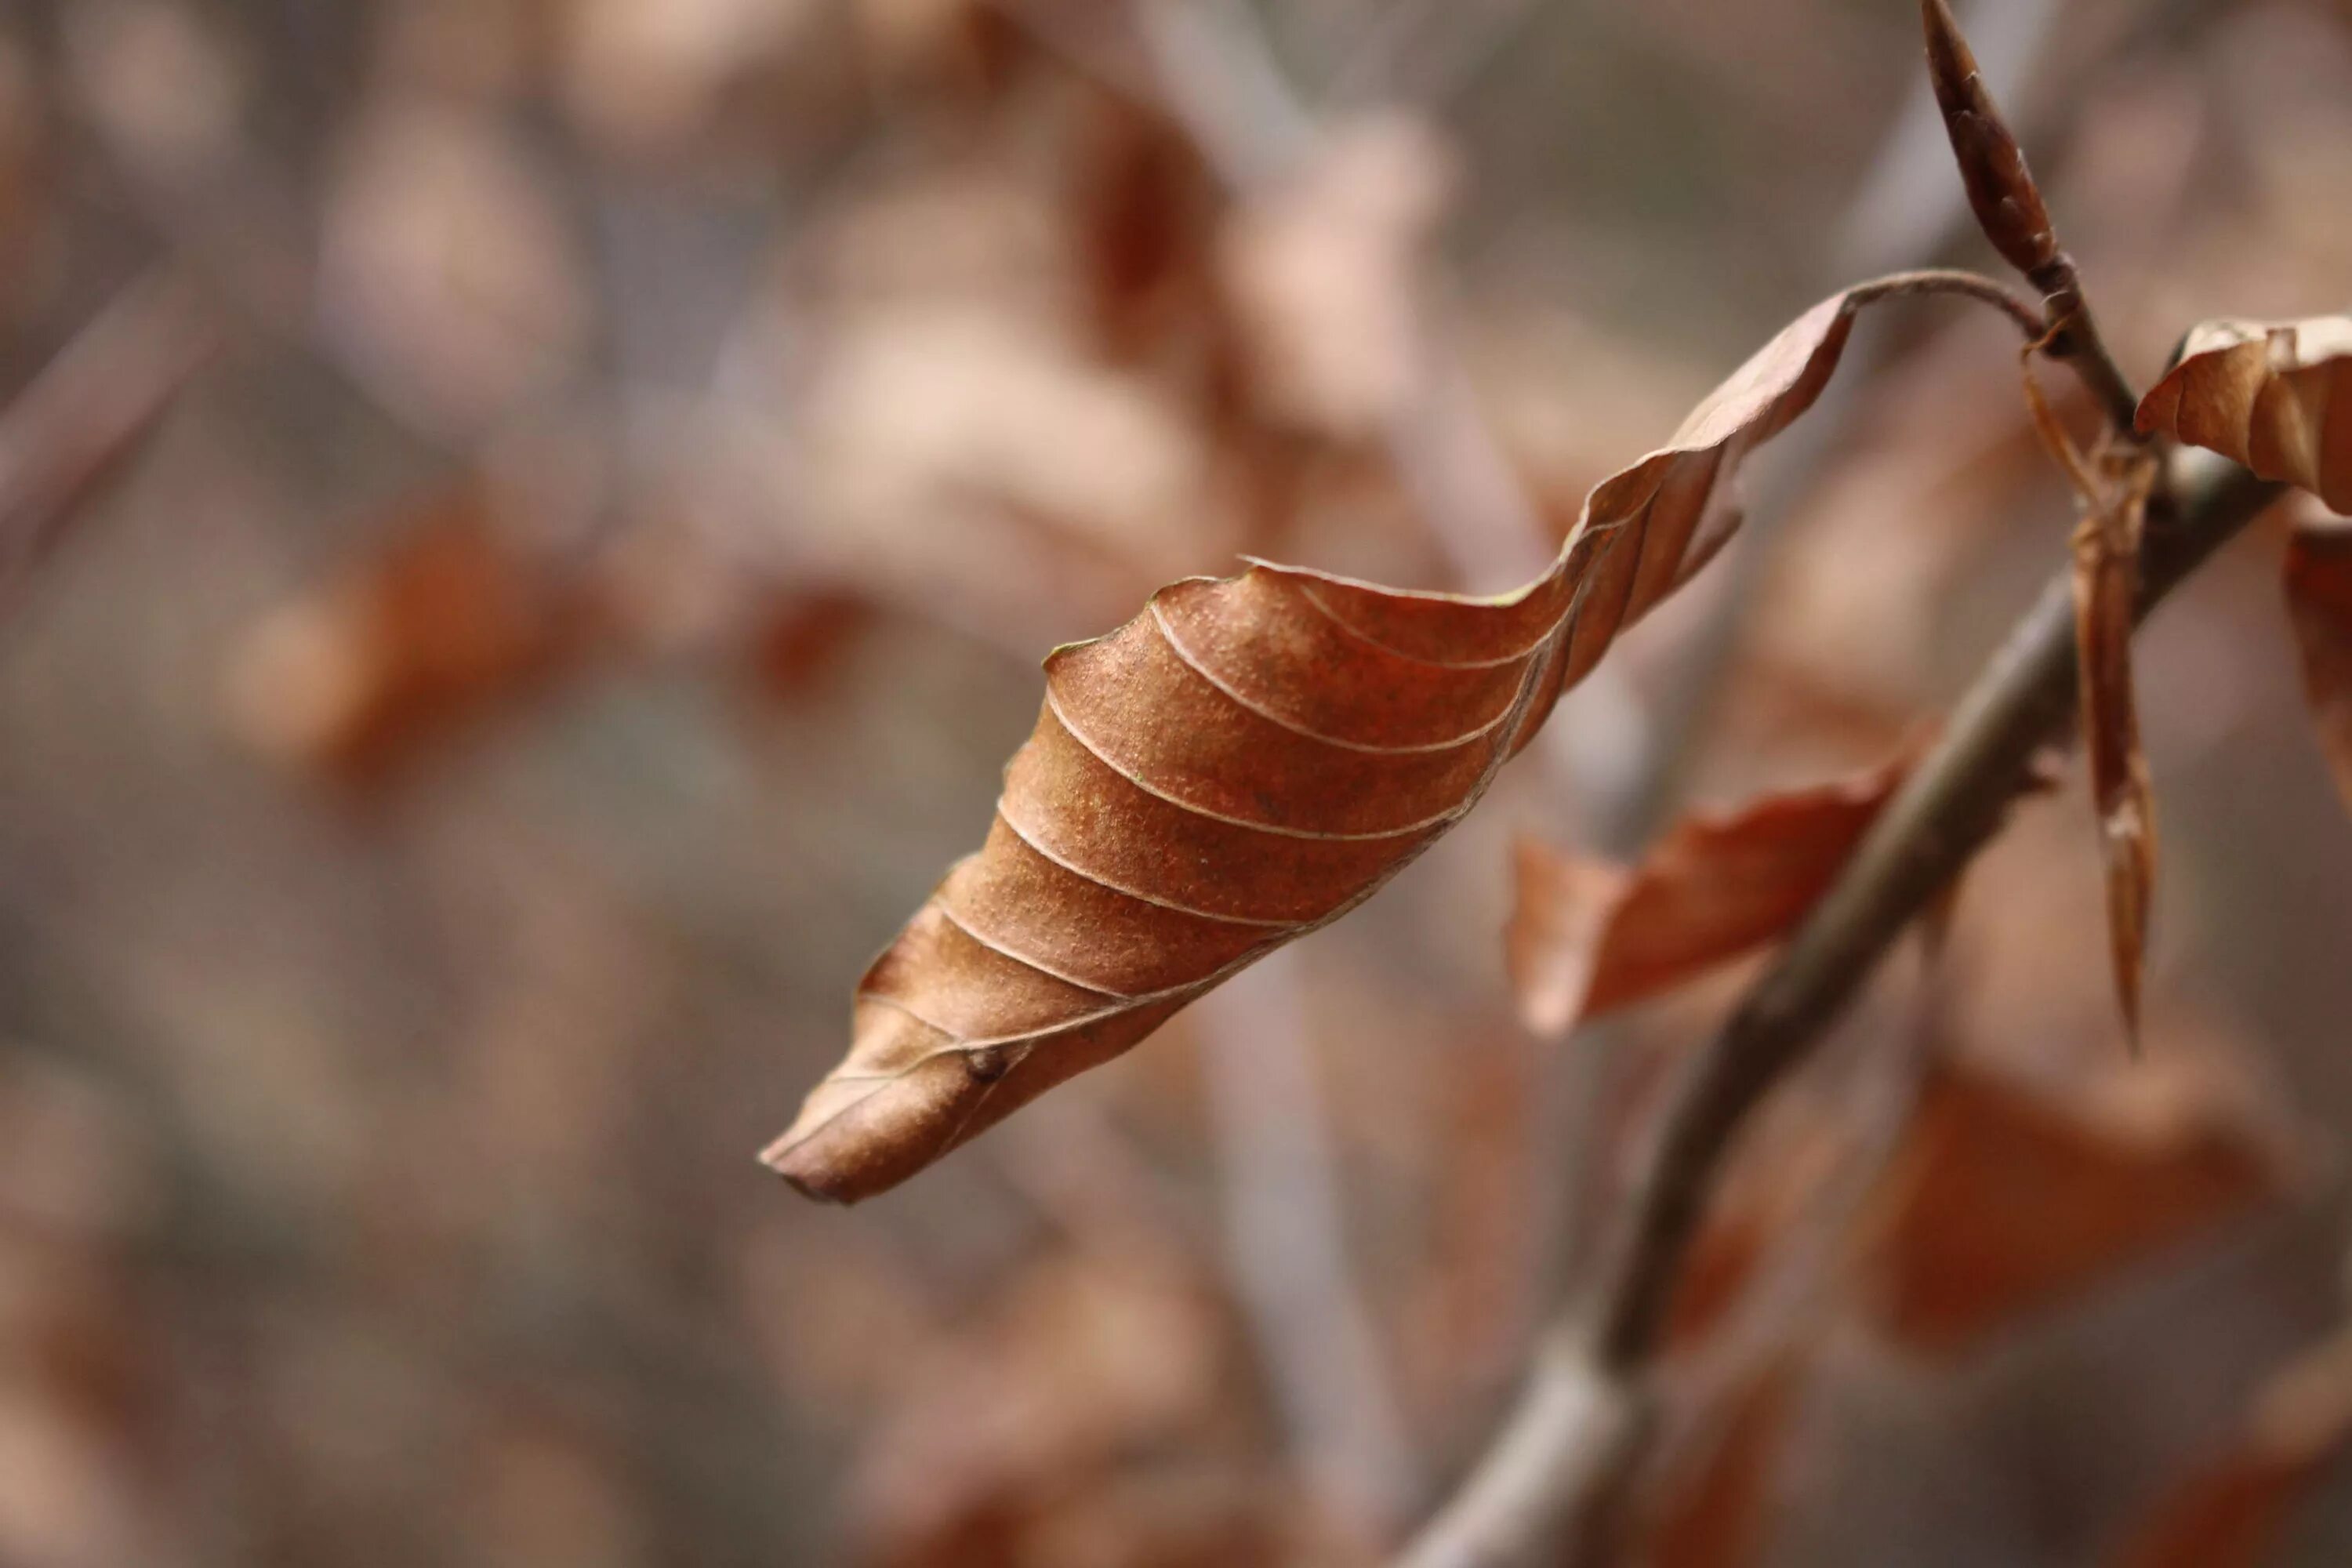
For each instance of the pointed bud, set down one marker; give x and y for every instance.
(2000, 189)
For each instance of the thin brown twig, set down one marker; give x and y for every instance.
(1548, 1478)
(1954, 281)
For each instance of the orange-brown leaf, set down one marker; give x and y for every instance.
(2236, 1511)
(1587, 936)
(355, 680)
(2276, 396)
(2107, 585)
(2230, 1516)
(1242, 763)
(2319, 603)
(2002, 1203)
(1718, 1513)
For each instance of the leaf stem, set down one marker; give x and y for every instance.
(2023, 311)
(2075, 341)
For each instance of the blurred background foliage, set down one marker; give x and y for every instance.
(453, 776)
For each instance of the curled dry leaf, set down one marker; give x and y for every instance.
(2106, 587)
(1241, 763)
(1587, 936)
(2276, 396)
(2319, 603)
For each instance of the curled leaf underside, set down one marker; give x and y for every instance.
(1242, 763)
(2274, 397)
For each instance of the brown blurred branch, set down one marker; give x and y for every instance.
(1286, 1241)
(1549, 1476)
(70, 430)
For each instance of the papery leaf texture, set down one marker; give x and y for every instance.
(2107, 585)
(1587, 936)
(1242, 763)
(2276, 396)
(2319, 604)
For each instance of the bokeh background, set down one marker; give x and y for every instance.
(456, 765)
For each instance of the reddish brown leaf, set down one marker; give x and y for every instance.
(2001, 1201)
(2276, 396)
(802, 632)
(1055, 1387)
(2319, 603)
(1586, 936)
(2226, 1517)
(1243, 762)
(2106, 584)
(1718, 1510)
(354, 679)
(2234, 1513)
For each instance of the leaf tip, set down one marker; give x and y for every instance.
(809, 1181)
(863, 1133)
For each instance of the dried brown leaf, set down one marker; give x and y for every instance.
(1586, 937)
(358, 677)
(2106, 585)
(2229, 1516)
(2233, 1512)
(1243, 762)
(2002, 1201)
(800, 634)
(1719, 1508)
(2276, 396)
(2319, 604)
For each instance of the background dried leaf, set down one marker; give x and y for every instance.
(366, 673)
(2271, 396)
(2001, 1201)
(1586, 937)
(2236, 1512)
